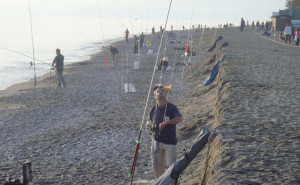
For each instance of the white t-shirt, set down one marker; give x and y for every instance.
(288, 30)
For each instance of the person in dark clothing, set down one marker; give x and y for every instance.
(163, 119)
(242, 24)
(114, 53)
(293, 32)
(136, 42)
(153, 31)
(142, 38)
(58, 62)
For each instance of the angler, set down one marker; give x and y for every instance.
(163, 117)
(59, 64)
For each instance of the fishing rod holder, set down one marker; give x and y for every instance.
(27, 176)
(27, 173)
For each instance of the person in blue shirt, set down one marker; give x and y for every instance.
(164, 116)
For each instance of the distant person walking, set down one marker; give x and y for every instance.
(126, 34)
(287, 33)
(58, 62)
(242, 24)
(114, 53)
(153, 31)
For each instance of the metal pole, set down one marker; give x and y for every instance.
(291, 7)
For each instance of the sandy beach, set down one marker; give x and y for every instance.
(85, 134)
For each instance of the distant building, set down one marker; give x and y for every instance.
(294, 12)
(275, 13)
(279, 21)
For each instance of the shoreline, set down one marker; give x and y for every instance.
(89, 56)
(80, 122)
(85, 134)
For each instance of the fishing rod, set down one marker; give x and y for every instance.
(188, 39)
(25, 55)
(106, 59)
(138, 141)
(34, 85)
(88, 38)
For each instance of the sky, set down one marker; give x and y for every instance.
(205, 11)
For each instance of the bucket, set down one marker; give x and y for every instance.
(136, 65)
(129, 88)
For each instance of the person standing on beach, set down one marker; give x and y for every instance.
(114, 53)
(297, 37)
(136, 42)
(287, 33)
(58, 62)
(164, 117)
(242, 25)
(142, 38)
(126, 34)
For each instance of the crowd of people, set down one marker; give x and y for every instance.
(289, 34)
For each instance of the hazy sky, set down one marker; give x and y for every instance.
(212, 11)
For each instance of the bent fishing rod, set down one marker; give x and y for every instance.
(25, 56)
(87, 38)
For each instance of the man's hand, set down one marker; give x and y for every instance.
(162, 126)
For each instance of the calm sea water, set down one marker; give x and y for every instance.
(77, 37)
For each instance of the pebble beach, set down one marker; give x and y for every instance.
(86, 133)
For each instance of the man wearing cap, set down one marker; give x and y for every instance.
(164, 117)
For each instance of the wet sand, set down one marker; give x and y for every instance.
(85, 134)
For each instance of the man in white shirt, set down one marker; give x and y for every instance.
(288, 33)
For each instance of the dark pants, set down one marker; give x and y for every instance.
(126, 38)
(288, 38)
(135, 50)
(60, 79)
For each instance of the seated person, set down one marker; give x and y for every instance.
(281, 37)
(163, 65)
(268, 33)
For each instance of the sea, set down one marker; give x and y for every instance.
(77, 38)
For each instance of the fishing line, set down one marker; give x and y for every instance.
(146, 105)
(34, 86)
(178, 33)
(87, 38)
(188, 40)
(25, 55)
(106, 60)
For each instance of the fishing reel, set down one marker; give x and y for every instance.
(150, 127)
